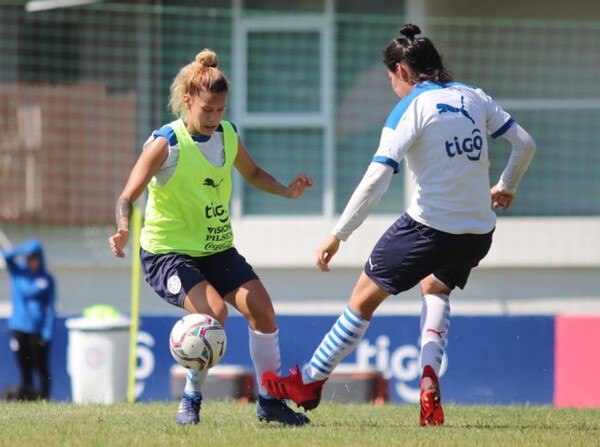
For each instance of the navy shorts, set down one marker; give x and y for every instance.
(409, 251)
(173, 275)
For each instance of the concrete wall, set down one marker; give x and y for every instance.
(535, 267)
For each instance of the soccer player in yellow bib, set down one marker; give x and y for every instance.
(187, 250)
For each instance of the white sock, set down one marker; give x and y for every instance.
(194, 381)
(435, 322)
(341, 340)
(265, 354)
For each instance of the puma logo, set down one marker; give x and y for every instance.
(439, 333)
(443, 108)
(371, 265)
(210, 182)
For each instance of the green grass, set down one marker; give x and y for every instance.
(235, 424)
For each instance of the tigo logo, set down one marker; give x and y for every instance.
(470, 146)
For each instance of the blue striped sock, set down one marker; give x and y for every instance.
(341, 340)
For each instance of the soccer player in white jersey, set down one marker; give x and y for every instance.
(187, 248)
(440, 128)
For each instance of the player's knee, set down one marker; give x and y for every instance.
(220, 313)
(264, 321)
(431, 284)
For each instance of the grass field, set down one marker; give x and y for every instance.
(235, 424)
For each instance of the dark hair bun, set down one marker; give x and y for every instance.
(410, 31)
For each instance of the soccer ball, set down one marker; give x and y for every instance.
(197, 342)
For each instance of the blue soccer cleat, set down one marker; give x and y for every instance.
(189, 409)
(278, 411)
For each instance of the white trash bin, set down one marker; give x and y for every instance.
(97, 359)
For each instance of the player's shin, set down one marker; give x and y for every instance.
(265, 354)
(340, 341)
(304, 387)
(194, 381)
(435, 323)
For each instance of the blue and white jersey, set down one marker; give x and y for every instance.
(441, 132)
(212, 147)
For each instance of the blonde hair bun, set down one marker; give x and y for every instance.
(207, 58)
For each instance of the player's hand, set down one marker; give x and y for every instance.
(325, 252)
(298, 186)
(501, 199)
(118, 242)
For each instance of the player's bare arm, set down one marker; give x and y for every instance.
(261, 179)
(145, 168)
(123, 212)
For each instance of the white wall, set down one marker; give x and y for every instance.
(536, 266)
(529, 242)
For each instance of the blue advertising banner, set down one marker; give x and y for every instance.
(490, 359)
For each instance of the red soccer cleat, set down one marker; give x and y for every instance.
(307, 396)
(432, 412)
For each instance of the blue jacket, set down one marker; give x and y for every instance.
(33, 293)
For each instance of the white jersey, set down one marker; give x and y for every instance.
(441, 132)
